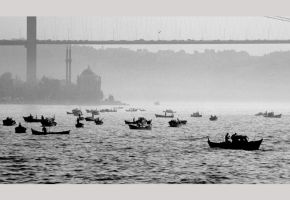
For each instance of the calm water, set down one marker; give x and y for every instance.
(112, 153)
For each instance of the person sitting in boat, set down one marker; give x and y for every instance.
(227, 137)
(234, 137)
(19, 125)
(42, 118)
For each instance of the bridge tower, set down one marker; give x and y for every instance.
(31, 48)
(68, 62)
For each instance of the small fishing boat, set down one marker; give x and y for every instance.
(164, 116)
(141, 120)
(213, 118)
(35, 132)
(90, 119)
(261, 113)
(177, 123)
(242, 145)
(140, 127)
(75, 112)
(79, 125)
(132, 110)
(31, 119)
(272, 115)
(8, 122)
(94, 112)
(48, 122)
(20, 129)
(196, 114)
(98, 121)
(108, 110)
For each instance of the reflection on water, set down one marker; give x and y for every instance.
(112, 153)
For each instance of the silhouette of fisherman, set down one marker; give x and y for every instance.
(227, 137)
(234, 137)
(44, 129)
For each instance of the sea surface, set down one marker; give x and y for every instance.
(112, 153)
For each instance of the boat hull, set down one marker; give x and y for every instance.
(20, 130)
(164, 116)
(252, 145)
(35, 132)
(135, 127)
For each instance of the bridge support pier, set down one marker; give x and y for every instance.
(31, 49)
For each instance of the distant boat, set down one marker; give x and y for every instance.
(98, 121)
(142, 127)
(141, 120)
(252, 145)
(272, 115)
(8, 122)
(196, 114)
(75, 112)
(132, 110)
(261, 113)
(94, 112)
(108, 110)
(164, 116)
(177, 123)
(90, 119)
(31, 119)
(213, 118)
(79, 125)
(48, 122)
(20, 129)
(35, 132)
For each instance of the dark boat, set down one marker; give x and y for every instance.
(140, 127)
(90, 119)
(272, 115)
(242, 145)
(8, 122)
(98, 121)
(140, 120)
(20, 129)
(48, 122)
(196, 114)
(177, 123)
(35, 132)
(31, 119)
(79, 125)
(213, 118)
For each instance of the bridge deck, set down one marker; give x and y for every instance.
(144, 42)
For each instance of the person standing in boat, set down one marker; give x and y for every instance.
(227, 137)
(44, 129)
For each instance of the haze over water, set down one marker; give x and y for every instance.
(112, 153)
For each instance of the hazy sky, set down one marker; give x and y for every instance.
(153, 28)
